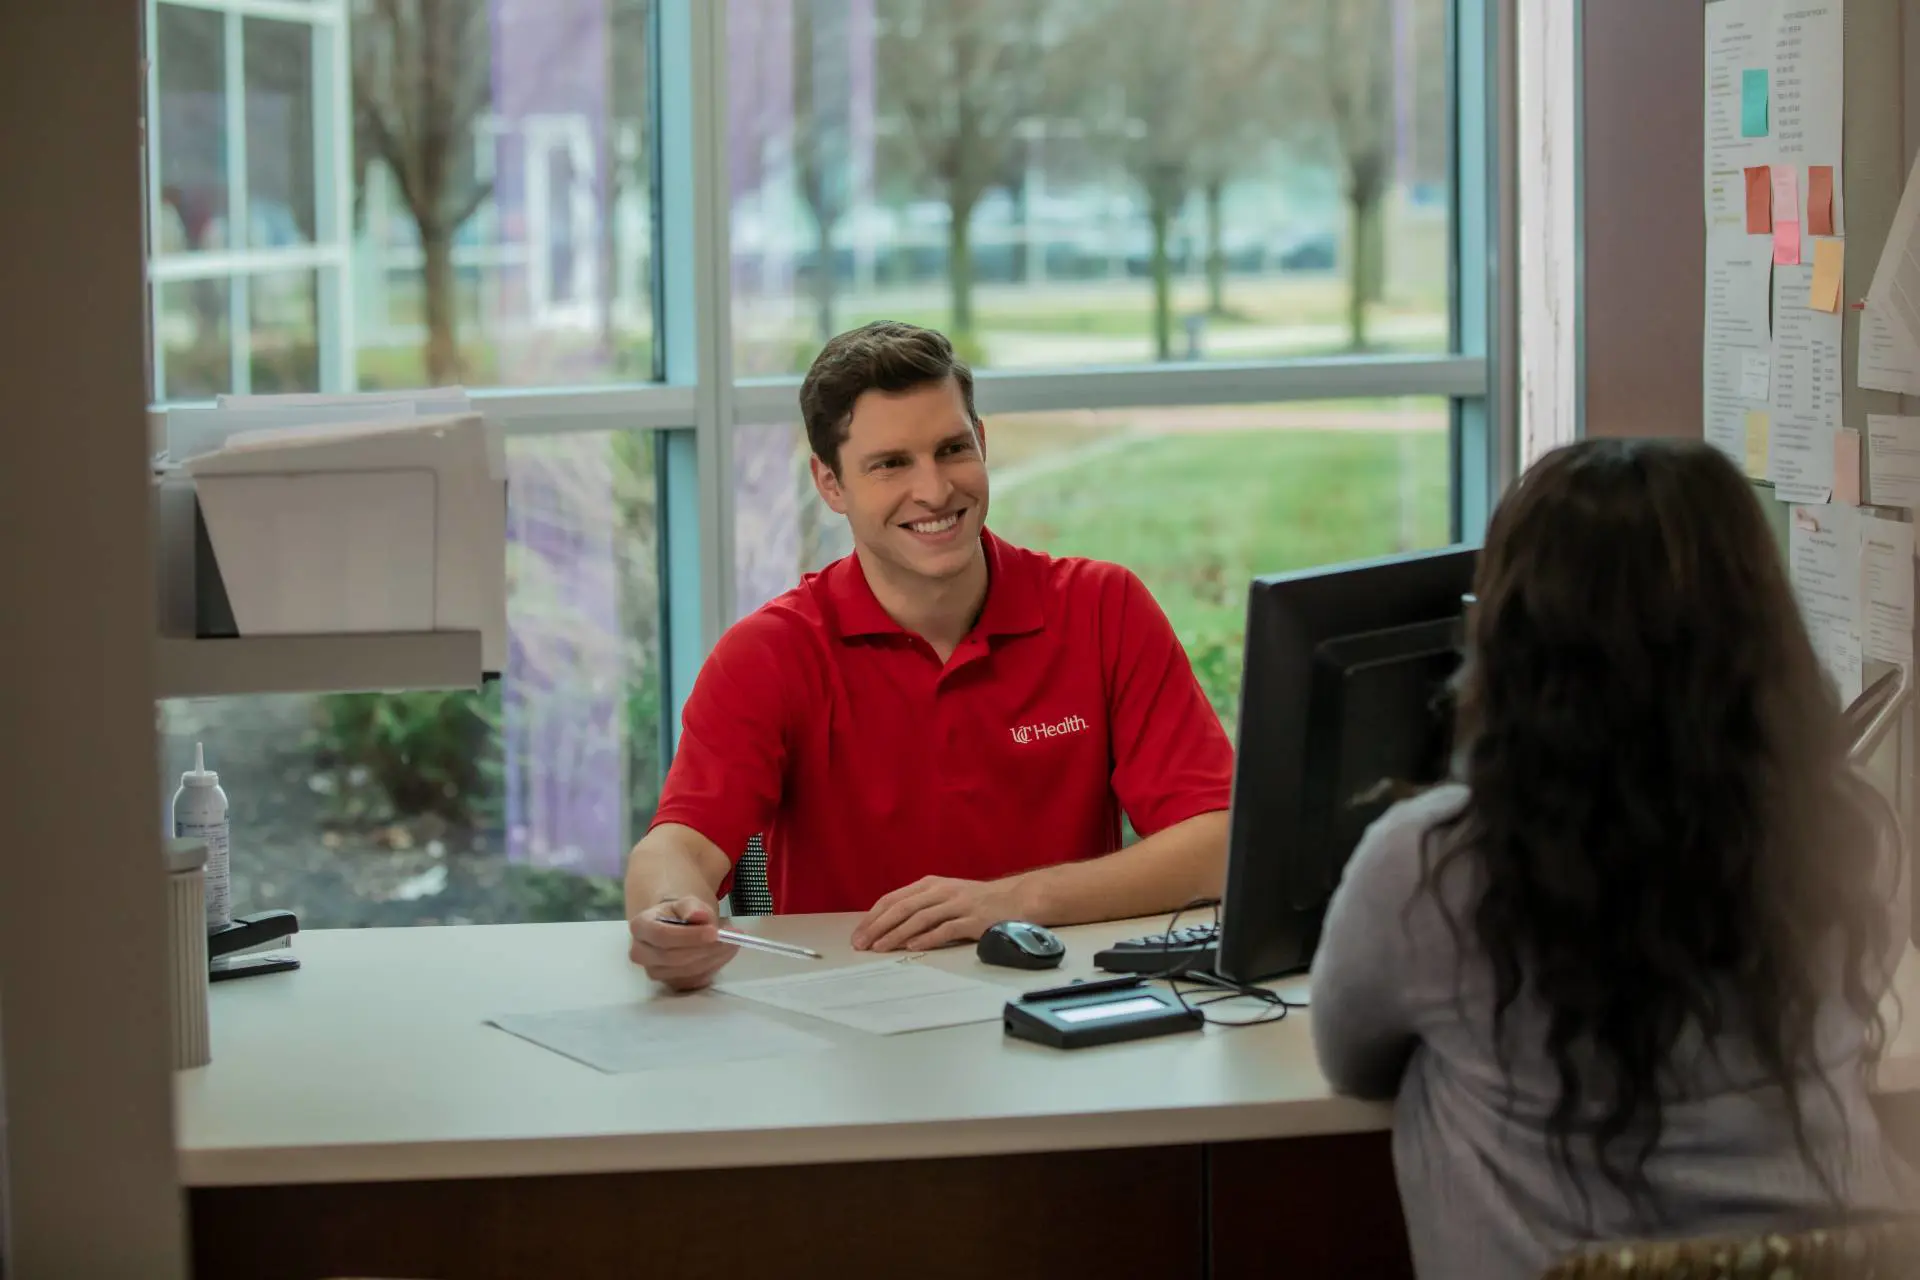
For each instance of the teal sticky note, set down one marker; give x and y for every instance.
(1753, 103)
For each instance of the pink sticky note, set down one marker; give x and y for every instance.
(1786, 215)
(1846, 467)
(1786, 243)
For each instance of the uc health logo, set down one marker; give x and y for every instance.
(1027, 733)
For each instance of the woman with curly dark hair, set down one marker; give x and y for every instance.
(1623, 975)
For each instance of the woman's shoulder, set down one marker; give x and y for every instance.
(1393, 855)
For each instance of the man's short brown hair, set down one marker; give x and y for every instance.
(886, 356)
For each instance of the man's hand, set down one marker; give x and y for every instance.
(683, 956)
(936, 912)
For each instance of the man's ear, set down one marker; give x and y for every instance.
(980, 434)
(827, 485)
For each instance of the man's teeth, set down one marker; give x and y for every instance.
(936, 526)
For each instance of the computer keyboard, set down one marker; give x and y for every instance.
(1183, 950)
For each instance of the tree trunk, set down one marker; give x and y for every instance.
(1160, 215)
(607, 186)
(1376, 233)
(1216, 253)
(960, 264)
(1358, 251)
(443, 347)
(823, 275)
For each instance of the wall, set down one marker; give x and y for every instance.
(1549, 101)
(1645, 243)
(89, 1136)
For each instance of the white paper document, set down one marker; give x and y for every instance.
(1724, 407)
(1888, 362)
(1739, 38)
(1799, 45)
(1896, 280)
(1842, 658)
(1808, 93)
(1806, 391)
(1823, 556)
(1887, 594)
(1739, 269)
(1893, 460)
(885, 998)
(1756, 376)
(649, 1036)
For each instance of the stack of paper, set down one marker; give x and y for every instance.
(886, 997)
(353, 514)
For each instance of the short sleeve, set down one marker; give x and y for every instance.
(729, 769)
(1171, 757)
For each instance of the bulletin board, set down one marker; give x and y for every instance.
(1809, 378)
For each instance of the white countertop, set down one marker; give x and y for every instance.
(373, 1061)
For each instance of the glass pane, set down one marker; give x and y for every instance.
(516, 802)
(283, 307)
(505, 193)
(1197, 501)
(1080, 182)
(195, 338)
(189, 60)
(280, 158)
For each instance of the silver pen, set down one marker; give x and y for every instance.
(751, 943)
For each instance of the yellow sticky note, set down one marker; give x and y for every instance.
(1829, 264)
(1758, 431)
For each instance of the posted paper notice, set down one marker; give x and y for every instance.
(1893, 461)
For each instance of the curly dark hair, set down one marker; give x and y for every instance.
(1659, 795)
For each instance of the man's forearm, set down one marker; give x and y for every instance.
(670, 863)
(1161, 873)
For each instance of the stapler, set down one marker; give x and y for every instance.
(248, 934)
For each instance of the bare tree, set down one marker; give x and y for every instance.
(1356, 58)
(961, 75)
(822, 147)
(422, 73)
(1191, 111)
(627, 25)
(1251, 97)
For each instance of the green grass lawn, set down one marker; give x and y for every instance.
(1199, 514)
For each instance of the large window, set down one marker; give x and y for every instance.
(1062, 183)
(1221, 265)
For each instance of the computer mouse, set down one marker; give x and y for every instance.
(1015, 944)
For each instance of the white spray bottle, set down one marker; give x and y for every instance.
(200, 813)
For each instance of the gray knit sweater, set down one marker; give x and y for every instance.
(1483, 1196)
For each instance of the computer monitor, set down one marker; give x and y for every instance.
(1343, 706)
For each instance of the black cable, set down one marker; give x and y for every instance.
(1178, 973)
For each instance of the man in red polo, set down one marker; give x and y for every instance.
(942, 729)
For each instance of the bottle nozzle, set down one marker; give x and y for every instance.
(198, 776)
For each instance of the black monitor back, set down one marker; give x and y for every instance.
(1343, 707)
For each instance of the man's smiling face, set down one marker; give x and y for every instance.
(912, 480)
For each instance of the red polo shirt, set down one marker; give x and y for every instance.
(864, 763)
